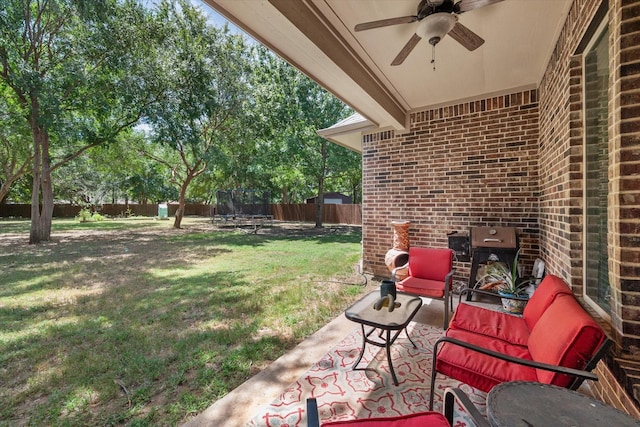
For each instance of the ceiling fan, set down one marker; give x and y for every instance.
(436, 19)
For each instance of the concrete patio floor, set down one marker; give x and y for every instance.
(239, 407)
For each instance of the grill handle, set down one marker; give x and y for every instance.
(488, 239)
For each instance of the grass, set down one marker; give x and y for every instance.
(130, 322)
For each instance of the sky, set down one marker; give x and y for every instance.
(214, 17)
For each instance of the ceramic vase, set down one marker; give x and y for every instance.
(399, 254)
(512, 306)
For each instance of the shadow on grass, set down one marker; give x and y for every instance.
(22, 225)
(149, 341)
(134, 327)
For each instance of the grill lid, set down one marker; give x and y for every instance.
(493, 237)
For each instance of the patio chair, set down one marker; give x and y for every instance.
(430, 275)
(427, 419)
(555, 341)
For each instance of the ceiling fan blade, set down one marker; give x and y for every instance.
(467, 5)
(385, 22)
(466, 37)
(406, 50)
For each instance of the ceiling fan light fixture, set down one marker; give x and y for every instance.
(435, 26)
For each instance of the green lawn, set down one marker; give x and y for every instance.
(132, 322)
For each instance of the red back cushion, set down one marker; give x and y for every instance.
(550, 287)
(565, 335)
(490, 323)
(430, 263)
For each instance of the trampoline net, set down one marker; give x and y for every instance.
(242, 202)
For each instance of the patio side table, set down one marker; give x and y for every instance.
(527, 404)
(386, 322)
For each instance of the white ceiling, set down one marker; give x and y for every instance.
(317, 37)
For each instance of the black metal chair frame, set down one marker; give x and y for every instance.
(579, 375)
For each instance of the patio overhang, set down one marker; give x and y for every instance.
(348, 132)
(318, 38)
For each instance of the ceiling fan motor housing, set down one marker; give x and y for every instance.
(429, 7)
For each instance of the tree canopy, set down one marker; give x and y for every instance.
(203, 70)
(116, 99)
(80, 73)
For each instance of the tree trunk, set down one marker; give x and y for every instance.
(320, 199)
(42, 189)
(180, 211)
(181, 201)
(179, 214)
(319, 204)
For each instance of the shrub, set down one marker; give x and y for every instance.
(85, 215)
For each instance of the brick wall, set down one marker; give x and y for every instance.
(624, 173)
(470, 164)
(561, 151)
(561, 159)
(608, 389)
(517, 160)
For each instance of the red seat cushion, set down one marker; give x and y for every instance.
(420, 419)
(490, 323)
(565, 335)
(478, 370)
(423, 287)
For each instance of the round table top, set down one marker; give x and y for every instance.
(529, 404)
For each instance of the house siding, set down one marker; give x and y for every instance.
(517, 161)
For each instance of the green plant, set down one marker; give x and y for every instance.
(505, 278)
(85, 215)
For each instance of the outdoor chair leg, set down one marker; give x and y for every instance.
(453, 394)
(433, 378)
(312, 413)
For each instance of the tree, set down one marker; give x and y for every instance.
(15, 155)
(204, 70)
(113, 172)
(346, 172)
(294, 107)
(80, 73)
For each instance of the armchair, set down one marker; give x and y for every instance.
(556, 342)
(430, 418)
(430, 275)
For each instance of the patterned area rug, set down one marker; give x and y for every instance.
(345, 394)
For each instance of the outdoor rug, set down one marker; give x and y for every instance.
(345, 394)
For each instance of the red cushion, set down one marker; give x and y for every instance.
(420, 419)
(565, 335)
(490, 323)
(430, 263)
(547, 291)
(423, 287)
(478, 370)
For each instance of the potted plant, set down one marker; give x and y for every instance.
(506, 281)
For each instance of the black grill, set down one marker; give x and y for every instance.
(502, 242)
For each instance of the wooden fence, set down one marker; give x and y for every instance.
(114, 210)
(332, 214)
